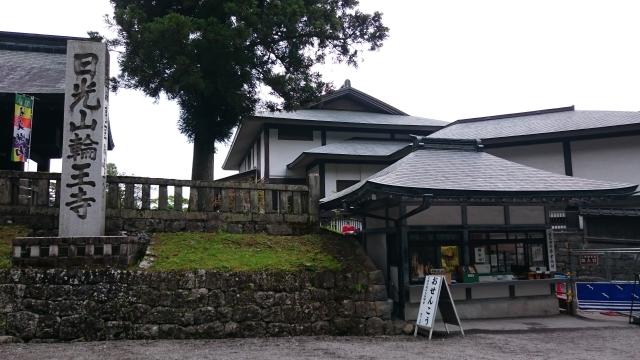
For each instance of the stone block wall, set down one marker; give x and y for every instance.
(44, 221)
(111, 304)
(565, 240)
(610, 266)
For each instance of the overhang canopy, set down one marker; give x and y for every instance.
(355, 149)
(458, 168)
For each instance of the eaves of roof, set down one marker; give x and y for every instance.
(463, 173)
(371, 151)
(249, 129)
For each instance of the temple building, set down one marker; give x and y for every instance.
(449, 207)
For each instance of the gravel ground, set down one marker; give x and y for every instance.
(619, 343)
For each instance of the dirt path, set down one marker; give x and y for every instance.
(582, 344)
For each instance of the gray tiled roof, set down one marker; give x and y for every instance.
(355, 117)
(32, 72)
(361, 147)
(466, 171)
(369, 148)
(546, 123)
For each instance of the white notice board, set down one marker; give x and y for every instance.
(436, 295)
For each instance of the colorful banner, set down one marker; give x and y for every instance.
(22, 128)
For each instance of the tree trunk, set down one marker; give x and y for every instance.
(203, 151)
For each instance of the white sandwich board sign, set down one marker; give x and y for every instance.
(436, 295)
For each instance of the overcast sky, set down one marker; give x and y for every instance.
(444, 60)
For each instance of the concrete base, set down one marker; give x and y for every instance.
(499, 308)
(118, 251)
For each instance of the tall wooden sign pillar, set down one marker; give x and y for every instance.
(85, 138)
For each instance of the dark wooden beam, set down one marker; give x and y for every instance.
(568, 164)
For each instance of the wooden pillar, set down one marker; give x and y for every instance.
(403, 269)
(466, 256)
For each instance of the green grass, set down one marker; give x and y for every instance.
(7, 234)
(251, 252)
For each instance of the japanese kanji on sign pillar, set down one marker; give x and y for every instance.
(85, 138)
(436, 295)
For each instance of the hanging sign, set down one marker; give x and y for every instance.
(23, 115)
(551, 250)
(436, 295)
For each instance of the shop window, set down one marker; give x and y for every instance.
(515, 253)
(343, 184)
(434, 253)
(295, 133)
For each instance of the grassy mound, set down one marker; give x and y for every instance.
(256, 252)
(7, 234)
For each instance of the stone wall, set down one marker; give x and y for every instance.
(67, 305)
(565, 240)
(44, 221)
(610, 265)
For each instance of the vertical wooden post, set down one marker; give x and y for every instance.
(40, 192)
(5, 191)
(268, 201)
(146, 197)
(162, 197)
(113, 199)
(15, 191)
(297, 203)
(129, 200)
(284, 202)
(255, 203)
(177, 198)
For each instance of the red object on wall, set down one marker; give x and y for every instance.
(348, 229)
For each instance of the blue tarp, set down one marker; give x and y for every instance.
(608, 296)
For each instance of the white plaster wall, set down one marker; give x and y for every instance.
(262, 152)
(283, 152)
(436, 215)
(254, 154)
(358, 172)
(485, 215)
(337, 136)
(549, 157)
(612, 159)
(520, 215)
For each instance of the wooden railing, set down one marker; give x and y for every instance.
(139, 193)
(335, 224)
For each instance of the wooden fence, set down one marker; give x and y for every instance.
(42, 190)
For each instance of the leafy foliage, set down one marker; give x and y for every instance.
(214, 56)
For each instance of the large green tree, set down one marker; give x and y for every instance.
(214, 57)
